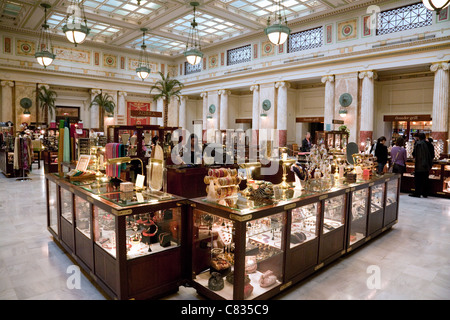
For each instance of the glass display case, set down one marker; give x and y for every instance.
(234, 259)
(304, 224)
(377, 204)
(132, 249)
(392, 196)
(334, 141)
(52, 207)
(358, 216)
(439, 179)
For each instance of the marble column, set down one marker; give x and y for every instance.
(182, 112)
(440, 115)
(367, 105)
(7, 101)
(204, 96)
(160, 108)
(256, 111)
(329, 102)
(223, 122)
(121, 108)
(282, 113)
(95, 115)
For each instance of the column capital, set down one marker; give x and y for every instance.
(204, 95)
(95, 91)
(7, 83)
(224, 92)
(281, 84)
(122, 93)
(182, 98)
(46, 86)
(444, 65)
(326, 79)
(369, 74)
(254, 87)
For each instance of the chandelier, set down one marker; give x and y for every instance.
(278, 31)
(74, 29)
(45, 54)
(436, 5)
(193, 52)
(143, 70)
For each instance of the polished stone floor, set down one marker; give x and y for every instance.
(412, 261)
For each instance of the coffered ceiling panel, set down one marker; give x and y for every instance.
(118, 22)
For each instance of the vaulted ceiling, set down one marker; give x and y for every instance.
(118, 22)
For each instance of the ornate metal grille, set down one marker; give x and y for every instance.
(304, 40)
(239, 55)
(189, 68)
(404, 18)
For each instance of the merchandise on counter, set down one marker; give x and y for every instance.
(215, 282)
(250, 264)
(222, 183)
(267, 279)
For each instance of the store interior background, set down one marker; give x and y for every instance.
(404, 84)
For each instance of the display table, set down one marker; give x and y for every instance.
(439, 179)
(243, 249)
(7, 163)
(115, 236)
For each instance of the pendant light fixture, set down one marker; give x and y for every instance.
(193, 51)
(143, 71)
(436, 5)
(45, 54)
(278, 31)
(75, 27)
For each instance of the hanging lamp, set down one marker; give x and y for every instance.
(193, 51)
(143, 71)
(278, 31)
(436, 5)
(75, 27)
(45, 55)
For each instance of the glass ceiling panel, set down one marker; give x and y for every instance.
(122, 8)
(263, 8)
(214, 28)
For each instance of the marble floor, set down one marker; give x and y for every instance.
(411, 261)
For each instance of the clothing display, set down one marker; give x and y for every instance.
(23, 153)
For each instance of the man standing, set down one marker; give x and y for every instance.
(423, 163)
(306, 143)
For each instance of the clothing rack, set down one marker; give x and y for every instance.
(21, 147)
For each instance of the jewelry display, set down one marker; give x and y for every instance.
(376, 202)
(318, 168)
(222, 183)
(391, 195)
(358, 215)
(83, 213)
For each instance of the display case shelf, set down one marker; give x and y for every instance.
(115, 242)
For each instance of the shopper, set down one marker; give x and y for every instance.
(398, 156)
(306, 143)
(423, 163)
(381, 152)
(430, 146)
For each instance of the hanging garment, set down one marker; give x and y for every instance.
(17, 153)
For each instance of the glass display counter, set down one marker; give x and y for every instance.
(132, 245)
(439, 179)
(246, 249)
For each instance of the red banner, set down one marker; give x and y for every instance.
(134, 108)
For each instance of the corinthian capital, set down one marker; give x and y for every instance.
(325, 79)
(444, 65)
(282, 84)
(122, 93)
(254, 87)
(7, 83)
(224, 92)
(368, 74)
(95, 91)
(204, 95)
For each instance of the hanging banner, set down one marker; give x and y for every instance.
(137, 113)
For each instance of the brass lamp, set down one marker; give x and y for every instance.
(249, 167)
(285, 163)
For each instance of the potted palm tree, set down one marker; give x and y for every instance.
(46, 100)
(106, 102)
(166, 88)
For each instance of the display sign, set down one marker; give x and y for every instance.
(83, 162)
(84, 146)
(337, 121)
(310, 119)
(415, 117)
(145, 113)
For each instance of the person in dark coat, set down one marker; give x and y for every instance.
(430, 146)
(306, 143)
(381, 152)
(423, 163)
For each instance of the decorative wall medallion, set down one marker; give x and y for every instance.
(109, 60)
(267, 49)
(347, 30)
(25, 48)
(266, 105)
(213, 61)
(345, 99)
(212, 109)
